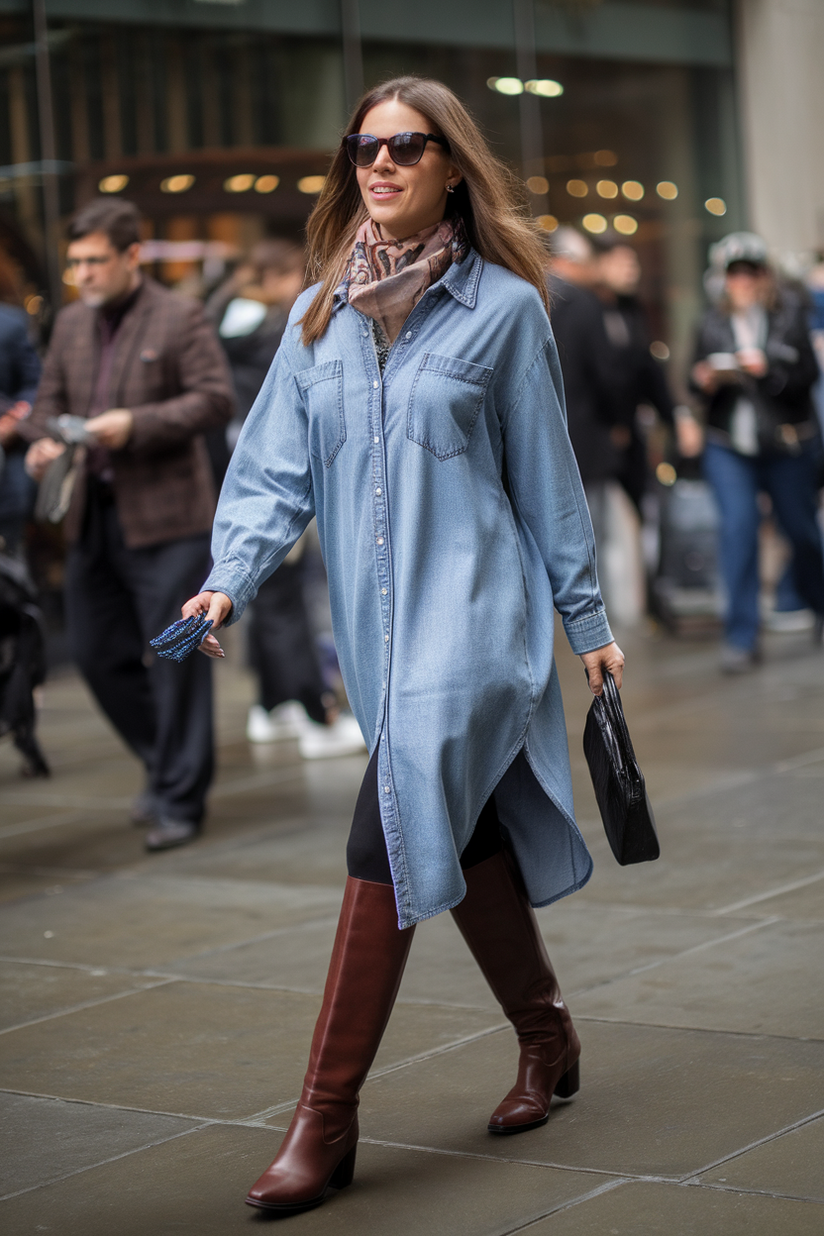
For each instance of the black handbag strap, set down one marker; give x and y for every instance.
(615, 714)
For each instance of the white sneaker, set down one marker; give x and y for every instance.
(286, 721)
(343, 737)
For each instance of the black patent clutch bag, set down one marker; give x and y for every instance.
(618, 782)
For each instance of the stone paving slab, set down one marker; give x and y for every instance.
(18, 882)
(197, 1184)
(636, 1209)
(791, 1165)
(200, 1049)
(76, 1135)
(652, 1101)
(804, 903)
(148, 920)
(28, 992)
(767, 981)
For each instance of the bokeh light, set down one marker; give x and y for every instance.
(240, 183)
(594, 223)
(311, 184)
(625, 224)
(113, 184)
(577, 188)
(633, 190)
(177, 184)
(667, 190)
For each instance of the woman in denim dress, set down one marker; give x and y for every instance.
(415, 408)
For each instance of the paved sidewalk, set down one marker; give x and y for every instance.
(157, 1010)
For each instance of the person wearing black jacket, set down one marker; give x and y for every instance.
(755, 367)
(590, 384)
(19, 376)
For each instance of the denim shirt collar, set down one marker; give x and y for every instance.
(461, 281)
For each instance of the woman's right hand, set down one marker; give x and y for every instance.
(218, 607)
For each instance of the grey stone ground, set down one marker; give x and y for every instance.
(156, 1010)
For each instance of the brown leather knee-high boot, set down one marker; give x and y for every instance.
(364, 976)
(499, 925)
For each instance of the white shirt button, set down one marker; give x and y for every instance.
(376, 439)
(375, 384)
(378, 492)
(386, 639)
(383, 591)
(380, 540)
(386, 789)
(409, 334)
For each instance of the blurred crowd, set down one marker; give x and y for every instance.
(121, 430)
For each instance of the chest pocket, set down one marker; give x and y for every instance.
(446, 397)
(322, 388)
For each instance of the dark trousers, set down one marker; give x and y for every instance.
(792, 483)
(117, 599)
(281, 644)
(366, 856)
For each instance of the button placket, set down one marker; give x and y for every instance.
(379, 513)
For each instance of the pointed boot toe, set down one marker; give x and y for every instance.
(527, 1104)
(306, 1166)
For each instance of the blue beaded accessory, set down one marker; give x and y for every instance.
(182, 637)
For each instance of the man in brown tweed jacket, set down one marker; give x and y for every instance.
(144, 368)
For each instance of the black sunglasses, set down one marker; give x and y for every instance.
(405, 149)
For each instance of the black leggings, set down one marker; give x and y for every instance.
(366, 857)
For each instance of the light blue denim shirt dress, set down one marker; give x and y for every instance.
(453, 522)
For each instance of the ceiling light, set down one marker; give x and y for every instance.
(177, 184)
(538, 184)
(113, 184)
(594, 223)
(240, 183)
(667, 190)
(716, 205)
(506, 85)
(606, 188)
(659, 350)
(548, 222)
(545, 87)
(632, 189)
(311, 184)
(577, 188)
(625, 224)
(266, 184)
(605, 158)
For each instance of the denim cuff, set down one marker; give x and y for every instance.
(588, 633)
(230, 577)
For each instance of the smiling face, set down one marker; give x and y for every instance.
(404, 200)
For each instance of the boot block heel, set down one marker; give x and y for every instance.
(570, 1083)
(344, 1173)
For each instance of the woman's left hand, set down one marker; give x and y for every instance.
(609, 658)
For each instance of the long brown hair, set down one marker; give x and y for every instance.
(488, 199)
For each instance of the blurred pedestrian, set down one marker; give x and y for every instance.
(755, 368)
(143, 367)
(592, 402)
(639, 375)
(595, 406)
(415, 407)
(19, 375)
(293, 702)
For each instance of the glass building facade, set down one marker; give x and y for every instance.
(217, 117)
